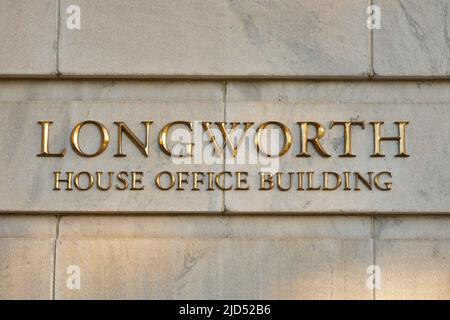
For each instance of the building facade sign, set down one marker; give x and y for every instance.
(204, 155)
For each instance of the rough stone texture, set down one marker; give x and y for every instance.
(69, 103)
(413, 254)
(224, 257)
(26, 263)
(28, 36)
(413, 40)
(216, 38)
(420, 182)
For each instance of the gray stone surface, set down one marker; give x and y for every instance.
(67, 104)
(420, 182)
(414, 39)
(194, 257)
(28, 36)
(424, 104)
(308, 38)
(413, 255)
(273, 253)
(26, 263)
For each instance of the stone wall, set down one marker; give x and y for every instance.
(225, 60)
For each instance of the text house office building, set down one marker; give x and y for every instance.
(225, 149)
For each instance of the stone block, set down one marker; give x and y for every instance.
(413, 255)
(138, 38)
(28, 33)
(222, 257)
(26, 251)
(419, 182)
(66, 104)
(413, 40)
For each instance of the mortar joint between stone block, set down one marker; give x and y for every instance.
(54, 251)
(58, 35)
(370, 58)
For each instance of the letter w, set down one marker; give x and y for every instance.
(226, 136)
